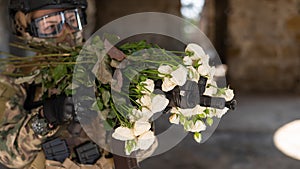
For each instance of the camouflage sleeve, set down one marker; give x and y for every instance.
(18, 143)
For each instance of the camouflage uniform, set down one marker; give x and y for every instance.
(18, 143)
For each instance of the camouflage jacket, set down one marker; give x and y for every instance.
(18, 143)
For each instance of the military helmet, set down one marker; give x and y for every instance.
(19, 8)
(27, 6)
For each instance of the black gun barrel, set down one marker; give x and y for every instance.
(217, 102)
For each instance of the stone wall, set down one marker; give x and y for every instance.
(263, 45)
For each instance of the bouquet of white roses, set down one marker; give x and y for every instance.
(146, 80)
(130, 85)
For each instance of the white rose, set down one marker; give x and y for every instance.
(198, 51)
(204, 69)
(123, 134)
(143, 115)
(145, 100)
(179, 75)
(167, 85)
(141, 127)
(205, 59)
(187, 61)
(211, 88)
(197, 127)
(159, 103)
(164, 69)
(149, 85)
(146, 140)
(199, 110)
(175, 110)
(193, 74)
(229, 94)
(193, 111)
(174, 119)
(221, 112)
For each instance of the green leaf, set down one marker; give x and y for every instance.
(221, 91)
(201, 116)
(206, 111)
(59, 72)
(105, 97)
(69, 92)
(130, 146)
(197, 137)
(209, 121)
(108, 124)
(182, 119)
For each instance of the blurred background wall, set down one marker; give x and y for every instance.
(259, 39)
(4, 28)
(262, 44)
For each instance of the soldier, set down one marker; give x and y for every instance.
(27, 123)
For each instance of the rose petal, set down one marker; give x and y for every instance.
(187, 61)
(167, 85)
(198, 51)
(193, 74)
(164, 69)
(143, 115)
(204, 69)
(146, 140)
(174, 119)
(149, 85)
(141, 127)
(123, 134)
(159, 103)
(193, 111)
(197, 127)
(221, 112)
(175, 110)
(179, 75)
(146, 101)
(229, 94)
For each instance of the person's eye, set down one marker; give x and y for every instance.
(72, 20)
(50, 28)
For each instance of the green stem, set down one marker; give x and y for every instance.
(53, 64)
(117, 114)
(12, 74)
